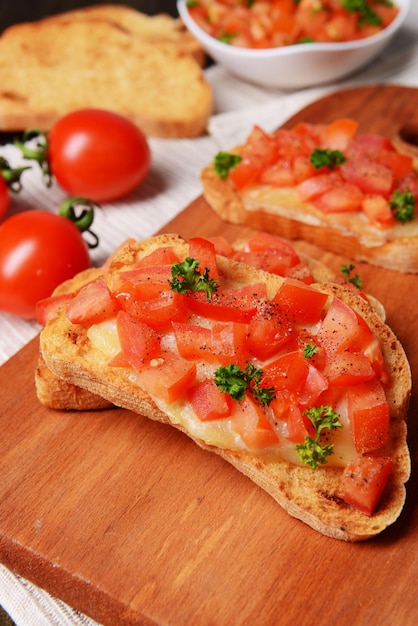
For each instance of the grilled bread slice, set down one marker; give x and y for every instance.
(314, 496)
(116, 58)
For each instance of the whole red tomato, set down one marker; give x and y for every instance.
(98, 154)
(38, 251)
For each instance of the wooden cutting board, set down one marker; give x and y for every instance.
(131, 523)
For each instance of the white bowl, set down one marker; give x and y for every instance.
(295, 66)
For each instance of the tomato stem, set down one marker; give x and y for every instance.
(39, 152)
(84, 220)
(11, 175)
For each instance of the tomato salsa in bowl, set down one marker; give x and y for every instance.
(290, 44)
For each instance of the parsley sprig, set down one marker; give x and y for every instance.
(347, 270)
(186, 278)
(225, 161)
(236, 381)
(313, 451)
(402, 204)
(323, 157)
(366, 15)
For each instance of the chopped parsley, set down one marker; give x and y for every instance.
(224, 161)
(227, 37)
(403, 205)
(366, 15)
(186, 278)
(354, 280)
(235, 381)
(310, 350)
(323, 157)
(313, 451)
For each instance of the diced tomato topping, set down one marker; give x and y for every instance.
(279, 174)
(365, 479)
(92, 304)
(299, 426)
(142, 283)
(204, 251)
(229, 342)
(302, 302)
(158, 312)
(348, 368)
(139, 343)
(236, 305)
(167, 377)
(345, 197)
(316, 186)
(370, 176)
(251, 423)
(223, 343)
(288, 371)
(48, 308)
(268, 331)
(343, 329)
(194, 342)
(338, 134)
(378, 211)
(160, 256)
(314, 386)
(368, 413)
(222, 246)
(208, 402)
(400, 164)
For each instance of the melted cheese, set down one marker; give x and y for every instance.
(220, 433)
(285, 202)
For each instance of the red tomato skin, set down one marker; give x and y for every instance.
(38, 251)
(364, 481)
(303, 303)
(208, 402)
(4, 198)
(98, 154)
(92, 304)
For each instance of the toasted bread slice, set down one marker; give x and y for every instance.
(315, 497)
(54, 66)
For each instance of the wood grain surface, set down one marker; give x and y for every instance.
(131, 523)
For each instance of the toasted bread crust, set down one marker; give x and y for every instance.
(313, 497)
(400, 254)
(112, 58)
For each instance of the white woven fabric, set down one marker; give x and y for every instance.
(171, 185)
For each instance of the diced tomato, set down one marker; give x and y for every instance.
(222, 246)
(48, 308)
(268, 331)
(244, 173)
(92, 304)
(378, 211)
(158, 312)
(204, 251)
(262, 146)
(338, 134)
(229, 342)
(279, 174)
(288, 371)
(348, 368)
(302, 302)
(251, 423)
(316, 186)
(236, 305)
(194, 342)
(345, 197)
(167, 376)
(301, 272)
(164, 255)
(142, 283)
(302, 168)
(400, 164)
(299, 426)
(139, 343)
(368, 413)
(365, 479)
(208, 402)
(292, 145)
(314, 386)
(370, 176)
(343, 329)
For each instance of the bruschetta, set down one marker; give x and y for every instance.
(352, 194)
(301, 387)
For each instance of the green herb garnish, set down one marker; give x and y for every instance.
(364, 10)
(227, 37)
(186, 278)
(235, 381)
(224, 161)
(323, 157)
(403, 205)
(354, 280)
(310, 350)
(313, 451)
